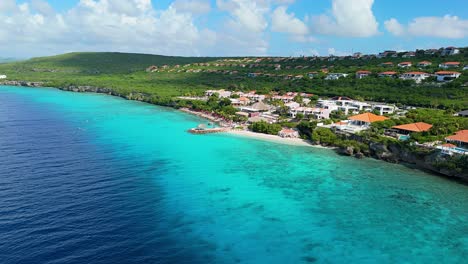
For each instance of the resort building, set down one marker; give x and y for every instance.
(443, 76)
(449, 65)
(362, 74)
(418, 77)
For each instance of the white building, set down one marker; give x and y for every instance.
(336, 76)
(450, 51)
(3, 76)
(450, 64)
(443, 76)
(362, 74)
(415, 76)
(384, 109)
(405, 64)
(316, 112)
(221, 93)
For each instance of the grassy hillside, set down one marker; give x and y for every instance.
(192, 75)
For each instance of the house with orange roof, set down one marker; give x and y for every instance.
(388, 74)
(449, 65)
(288, 133)
(460, 139)
(360, 122)
(443, 76)
(362, 74)
(415, 76)
(405, 64)
(412, 128)
(387, 64)
(424, 64)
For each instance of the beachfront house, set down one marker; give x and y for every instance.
(362, 74)
(449, 65)
(418, 77)
(443, 76)
(405, 64)
(336, 76)
(288, 133)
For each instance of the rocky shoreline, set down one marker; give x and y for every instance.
(392, 153)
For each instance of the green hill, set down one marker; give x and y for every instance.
(126, 73)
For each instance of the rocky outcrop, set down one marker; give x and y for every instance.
(23, 83)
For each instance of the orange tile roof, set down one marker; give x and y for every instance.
(424, 62)
(416, 72)
(405, 62)
(446, 72)
(448, 145)
(461, 136)
(368, 117)
(388, 73)
(415, 127)
(451, 63)
(363, 72)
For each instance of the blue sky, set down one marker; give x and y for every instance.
(229, 27)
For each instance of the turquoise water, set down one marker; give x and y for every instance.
(239, 200)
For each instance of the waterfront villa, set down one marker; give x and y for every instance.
(359, 122)
(405, 64)
(388, 74)
(288, 133)
(424, 64)
(362, 74)
(459, 141)
(446, 75)
(415, 76)
(450, 64)
(412, 128)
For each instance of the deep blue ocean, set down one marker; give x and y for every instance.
(87, 178)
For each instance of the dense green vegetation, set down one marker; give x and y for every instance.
(265, 128)
(125, 73)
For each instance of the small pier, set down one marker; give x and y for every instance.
(208, 130)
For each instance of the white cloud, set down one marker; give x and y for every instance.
(448, 26)
(101, 25)
(246, 14)
(283, 22)
(393, 26)
(193, 6)
(348, 18)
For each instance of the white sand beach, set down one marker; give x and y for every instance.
(273, 138)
